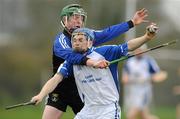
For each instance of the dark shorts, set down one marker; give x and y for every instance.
(65, 95)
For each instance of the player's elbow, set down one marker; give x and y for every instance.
(130, 46)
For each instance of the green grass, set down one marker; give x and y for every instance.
(29, 112)
(36, 112)
(166, 112)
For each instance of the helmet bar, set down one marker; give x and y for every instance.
(81, 33)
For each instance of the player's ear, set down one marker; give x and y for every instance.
(90, 43)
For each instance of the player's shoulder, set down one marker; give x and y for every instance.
(106, 47)
(103, 48)
(60, 36)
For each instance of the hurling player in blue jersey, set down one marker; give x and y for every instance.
(65, 94)
(98, 88)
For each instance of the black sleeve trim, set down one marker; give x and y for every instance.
(84, 61)
(130, 23)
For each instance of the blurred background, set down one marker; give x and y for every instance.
(28, 28)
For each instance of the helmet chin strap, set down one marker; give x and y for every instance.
(89, 44)
(68, 30)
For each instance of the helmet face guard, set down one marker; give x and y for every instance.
(88, 33)
(84, 31)
(73, 9)
(80, 33)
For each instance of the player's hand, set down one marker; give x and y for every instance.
(140, 16)
(160, 76)
(151, 30)
(101, 64)
(37, 99)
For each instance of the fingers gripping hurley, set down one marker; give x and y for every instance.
(20, 105)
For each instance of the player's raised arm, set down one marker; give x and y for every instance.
(151, 31)
(114, 31)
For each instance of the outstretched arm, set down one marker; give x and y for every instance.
(48, 88)
(114, 31)
(137, 42)
(67, 53)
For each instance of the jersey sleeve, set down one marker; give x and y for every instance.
(65, 69)
(113, 52)
(153, 66)
(125, 68)
(64, 51)
(111, 32)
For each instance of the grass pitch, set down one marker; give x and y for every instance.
(31, 112)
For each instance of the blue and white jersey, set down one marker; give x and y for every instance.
(97, 86)
(62, 44)
(140, 70)
(138, 90)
